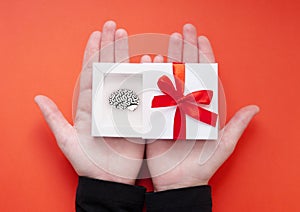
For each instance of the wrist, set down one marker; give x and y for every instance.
(178, 186)
(116, 179)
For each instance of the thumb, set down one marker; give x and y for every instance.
(60, 127)
(234, 129)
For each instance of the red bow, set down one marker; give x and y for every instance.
(186, 105)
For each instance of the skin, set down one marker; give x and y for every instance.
(183, 48)
(190, 48)
(67, 136)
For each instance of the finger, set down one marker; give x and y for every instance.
(175, 48)
(146, 59)
(234, 129)
(85, 85)
(190, 44)
(158, 59)
(60, 127)
(205, 53)
(91, 55)
(107, 42)
(121, 46)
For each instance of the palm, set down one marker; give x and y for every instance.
(184, 170)
(114, 159)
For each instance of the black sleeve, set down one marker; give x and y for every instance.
(98, 195)
(192, 199)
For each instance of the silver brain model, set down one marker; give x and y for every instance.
(124, 99)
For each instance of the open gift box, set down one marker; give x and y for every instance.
(176, 101)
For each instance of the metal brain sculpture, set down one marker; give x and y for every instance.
(124, 99)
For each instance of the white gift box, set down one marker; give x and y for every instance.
(147, 122)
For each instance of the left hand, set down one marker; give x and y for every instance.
(189, 172)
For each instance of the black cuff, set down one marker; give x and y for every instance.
(184, 199)
(100, 195)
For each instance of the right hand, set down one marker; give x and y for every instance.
(99, 158)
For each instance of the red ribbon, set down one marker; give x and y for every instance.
(185, 104)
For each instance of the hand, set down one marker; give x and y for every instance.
(111, 159)
(189, 172)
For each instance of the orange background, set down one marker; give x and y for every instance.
(256, 44)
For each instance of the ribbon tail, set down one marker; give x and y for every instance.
(208, 117)
(179, 129)
(201, 114)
